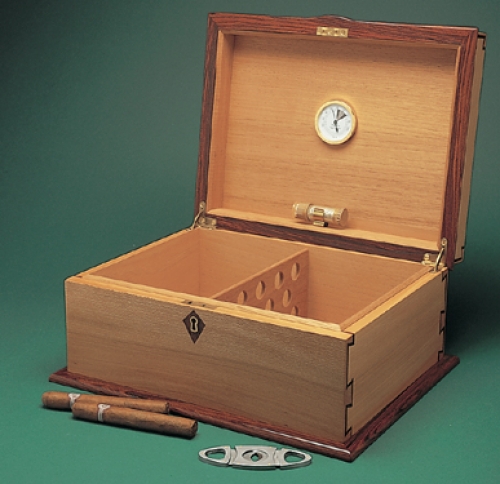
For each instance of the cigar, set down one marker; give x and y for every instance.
(64, 401)
(135, 419)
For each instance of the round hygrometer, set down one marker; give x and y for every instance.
(335, 122)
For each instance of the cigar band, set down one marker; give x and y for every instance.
(100, 411)
(73, 398)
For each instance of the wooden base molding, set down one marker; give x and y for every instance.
(347, 451)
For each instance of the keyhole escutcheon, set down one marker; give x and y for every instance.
(193, 320)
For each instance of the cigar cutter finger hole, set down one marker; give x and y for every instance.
(218, 456)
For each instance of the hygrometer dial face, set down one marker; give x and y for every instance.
(335, 122)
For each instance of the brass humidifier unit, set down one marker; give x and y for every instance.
(321, 216)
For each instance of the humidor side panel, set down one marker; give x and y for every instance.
(395, 345)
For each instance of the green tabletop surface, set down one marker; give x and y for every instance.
(100, 105)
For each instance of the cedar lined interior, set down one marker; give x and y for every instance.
(282, 287)
(341, 287)
(265, 154)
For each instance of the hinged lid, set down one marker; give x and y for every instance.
(400, 175)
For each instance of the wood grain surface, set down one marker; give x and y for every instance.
(347, 451)
(394, 345)
(262, 370)
(413, 161)
(208, 263)
(283, 287)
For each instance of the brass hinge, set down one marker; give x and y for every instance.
(332, 32)
(439, 263)
(201, 219)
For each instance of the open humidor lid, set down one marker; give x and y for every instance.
(403, 176)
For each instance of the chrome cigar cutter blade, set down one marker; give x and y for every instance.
(254, 457)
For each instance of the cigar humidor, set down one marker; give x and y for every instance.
(295, 329)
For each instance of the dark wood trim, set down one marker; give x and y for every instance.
(239, 23)
(464, 38)
(347, 451)
(206, 113)
(335, 240)
(456, 164)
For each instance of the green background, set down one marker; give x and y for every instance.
(100, 105)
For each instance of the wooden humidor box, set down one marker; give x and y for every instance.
(314, 336)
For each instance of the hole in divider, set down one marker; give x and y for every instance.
(270, 305)
(278, 280)
(260, 290)
(294, 311)
(287, 297)
(242, 297)
(295, 271)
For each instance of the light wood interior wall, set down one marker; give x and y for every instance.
(204, 262)
(198, 262)
(229, 258)
(266, 155)
(171, 263)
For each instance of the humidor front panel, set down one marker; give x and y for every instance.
(271, 373)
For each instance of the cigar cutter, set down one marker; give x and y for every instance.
(254, 457)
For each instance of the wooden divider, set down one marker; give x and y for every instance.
(282, 287)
